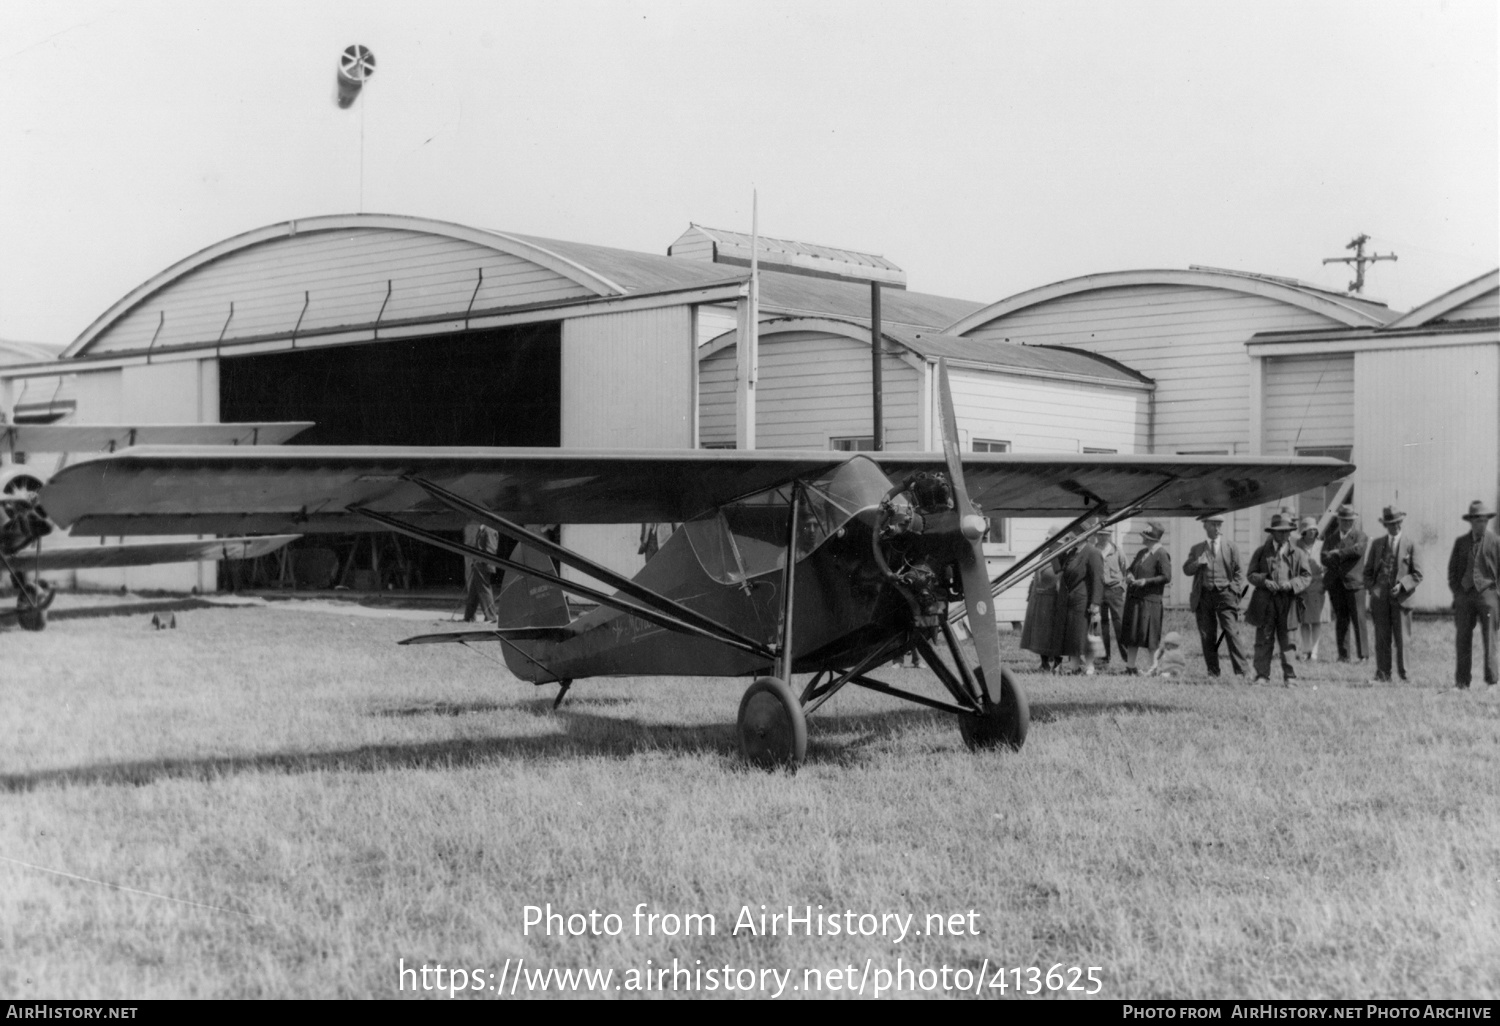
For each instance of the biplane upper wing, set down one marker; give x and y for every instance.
(87, 557)
(264, 489)
(78, 438)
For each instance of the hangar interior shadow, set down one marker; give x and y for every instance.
(495, 387)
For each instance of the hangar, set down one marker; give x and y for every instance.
(388, 329)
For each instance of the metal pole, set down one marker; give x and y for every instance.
(877, 386)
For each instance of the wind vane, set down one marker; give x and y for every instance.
(1359, 260)
(356, 64)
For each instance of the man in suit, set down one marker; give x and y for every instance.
(1218, 585)
(1473, 570)
(1392, 573)
(1279, 573)
(1344, 580)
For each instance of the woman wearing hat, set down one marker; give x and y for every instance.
(1314, 604)
(1149, 574)
(1042, 630)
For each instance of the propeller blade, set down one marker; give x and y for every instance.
(976, 579)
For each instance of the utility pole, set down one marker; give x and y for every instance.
(877, 385)
(1359, 260)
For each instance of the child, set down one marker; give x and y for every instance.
(1170, 661)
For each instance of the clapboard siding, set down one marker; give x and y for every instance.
(714, 321)
(342, 277)
(1189, 339)
(813, 387)
(1429, 442)
(692, 245)
(1309, 401)
(1487, 305)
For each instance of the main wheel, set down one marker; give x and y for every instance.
(1003, 724)
(773, 731)
(31, 605)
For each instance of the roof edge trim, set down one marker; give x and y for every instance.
(1450, 300)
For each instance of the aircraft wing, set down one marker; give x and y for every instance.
(73, 556)
(77, 438)
(264, 489)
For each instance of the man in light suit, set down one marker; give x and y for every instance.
(1473, 571)
(1392, 573)
(1344, 579)
(1218, 585)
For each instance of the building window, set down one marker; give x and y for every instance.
(1315, 502)
(852, 443)
(718, 445)
(999, 526)
(1089, 450)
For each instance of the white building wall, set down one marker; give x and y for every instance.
(1309, 403)
(1487, 305)
(629, 381)
(1190, 340)
(1427, 439)
(813, 386)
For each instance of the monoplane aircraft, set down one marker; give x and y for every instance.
(788, 562)
(24, 522)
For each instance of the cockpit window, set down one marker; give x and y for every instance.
(747, 538)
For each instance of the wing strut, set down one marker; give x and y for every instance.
(671, 623)
(567, 557)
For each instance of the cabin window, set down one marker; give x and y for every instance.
(999, 526)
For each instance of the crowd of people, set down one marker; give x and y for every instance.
(1082, 600)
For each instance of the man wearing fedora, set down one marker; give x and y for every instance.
(1218, 586)
(1392, 573)
(1279, 573)
(1344, 579)
(1473, 570)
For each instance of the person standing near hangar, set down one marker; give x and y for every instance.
(1279, 573)
(1218, 585)
(1344, 579)
(1083, 591)
(1149, 574)
(1392, 573)
(1473, 572)
(1112, 609)
(1314, 609)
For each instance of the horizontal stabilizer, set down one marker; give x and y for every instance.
(493, 634)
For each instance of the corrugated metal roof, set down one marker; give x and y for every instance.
(27, 352)
(1041, 359)
(790, 247)
(1372, 306)
(780, 292)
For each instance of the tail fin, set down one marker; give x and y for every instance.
(529, 601)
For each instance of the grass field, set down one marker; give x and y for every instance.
(279, 802)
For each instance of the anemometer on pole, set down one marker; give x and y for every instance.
(1359, 260)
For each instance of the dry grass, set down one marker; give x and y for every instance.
(342, 803)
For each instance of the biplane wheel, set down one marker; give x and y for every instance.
(773, 731)
(31, 605)
(1002, 724)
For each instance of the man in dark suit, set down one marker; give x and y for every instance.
(1344, 580)
(1473, 571)
(1218, 585)
(1392, 573)
(1279, 572)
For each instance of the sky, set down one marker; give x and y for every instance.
(985, 147)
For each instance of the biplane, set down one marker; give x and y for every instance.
(787, 563)
(24, 524)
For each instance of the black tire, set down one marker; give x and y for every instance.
(31, 619)
(1003, 724)
(772, 729)
(31, 605)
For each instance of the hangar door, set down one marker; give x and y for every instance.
(501, 386)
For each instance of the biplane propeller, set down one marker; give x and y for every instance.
(24, 522)
(787, 562)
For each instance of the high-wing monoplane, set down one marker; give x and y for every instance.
(24, 523)
(788, 562)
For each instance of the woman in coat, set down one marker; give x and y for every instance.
(1145, 581)
(1042, 630)
(1314, 608)
(1082, 593)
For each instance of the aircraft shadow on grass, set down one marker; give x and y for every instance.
(840, 740)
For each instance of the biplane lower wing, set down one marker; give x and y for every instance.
(306, 489)
(73, 556)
